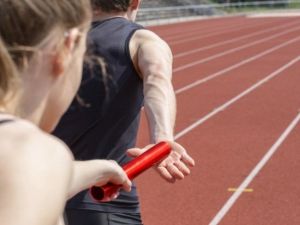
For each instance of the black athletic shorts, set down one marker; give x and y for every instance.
(89, 217)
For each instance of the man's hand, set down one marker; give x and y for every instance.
(175, 167)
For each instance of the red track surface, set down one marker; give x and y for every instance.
(246, 94)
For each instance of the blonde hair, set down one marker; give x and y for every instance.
(8, 75)
(24, 24)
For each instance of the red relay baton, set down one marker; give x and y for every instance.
(133, 169)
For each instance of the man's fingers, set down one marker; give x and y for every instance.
(173, 167)
(134, 152)
(182, 167)
(164, 173)
(175, 172)
(188, 160)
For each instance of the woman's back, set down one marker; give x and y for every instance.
(31, 157)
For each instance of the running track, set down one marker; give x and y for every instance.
(238, 91)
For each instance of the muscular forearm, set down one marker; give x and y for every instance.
(160, 107)
(154, 62)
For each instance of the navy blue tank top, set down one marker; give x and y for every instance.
(106, 125)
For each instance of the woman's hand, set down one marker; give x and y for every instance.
(100, 172)
(113, 173)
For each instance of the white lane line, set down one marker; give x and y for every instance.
(179, 55)
(224, 210)
(233, 50)
(230, 68)
(219, 32)
(235, 99)
(213, 29)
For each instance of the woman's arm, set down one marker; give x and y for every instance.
(88, 173)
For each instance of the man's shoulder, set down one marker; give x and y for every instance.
(145, 36)
(148, 39)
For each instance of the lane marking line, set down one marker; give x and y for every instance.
(247, 190)
(233, 50)
(196, 27)
(208, 32)
(230, 68)
(179, 55)
(224, 210)
(223, 31)
(211, 34)
(236, 98)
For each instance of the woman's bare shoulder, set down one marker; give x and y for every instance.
(20, 135)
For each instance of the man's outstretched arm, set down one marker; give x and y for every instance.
(153, 59)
